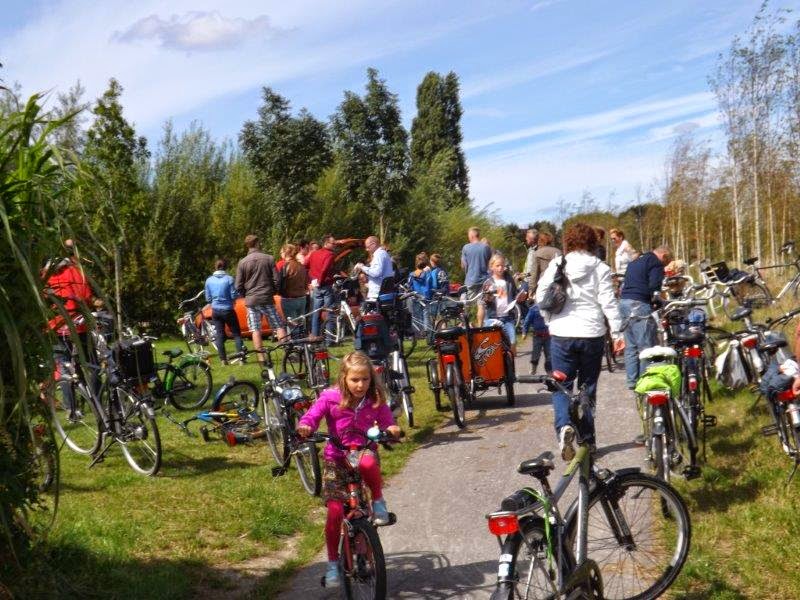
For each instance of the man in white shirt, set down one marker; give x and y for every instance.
(379, 268)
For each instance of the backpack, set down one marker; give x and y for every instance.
(556, 294)
(442, 285)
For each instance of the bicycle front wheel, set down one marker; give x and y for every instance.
(138, 433)
(275, 428)
(191, 386)
(76, 417)
(638, 533)
(307, 461)
(294, 363)
(365, 575)
(408, 407)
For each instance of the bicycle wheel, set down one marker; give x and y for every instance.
(685, 439)
(530, 569)
(435, 382)
(277, 437)
(191, 385)
(307, 461)
(455, 397)
(366, 576)
(138, 433)
(320, 376)
(508, 361)
(408, 408)
(294, 362)
(81, 428)
(659, 449)
(639, 534)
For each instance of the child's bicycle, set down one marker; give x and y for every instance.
(362, 567)
(626, 535)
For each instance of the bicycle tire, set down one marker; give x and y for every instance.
(138, 433)
(666, 515)
(408, 408)
(307, 462)
(529, 568)
(435, 382)
(508, 361)
(369, 565)
(83, 434)
(320, 376)
(659, 452)
(294, 363)
(455, 397)
(275, 428)
(685, 437)
(191, 386)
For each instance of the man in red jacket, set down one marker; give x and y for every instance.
(66, 285)
(320, 270)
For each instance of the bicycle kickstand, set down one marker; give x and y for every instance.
(100, 456)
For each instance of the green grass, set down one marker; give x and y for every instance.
(121, 535)
(745, 526)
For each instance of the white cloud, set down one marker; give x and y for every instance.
(606, 123)
(517, 74)
(196, 30)
(709, 120)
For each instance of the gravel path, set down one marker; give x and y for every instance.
(441, 547)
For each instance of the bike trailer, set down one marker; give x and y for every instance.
(372, 336)
(487, 346)
(134, 359)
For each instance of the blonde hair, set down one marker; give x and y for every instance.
(358, 361)
(617, 232)
(497, 258)
(289, 251)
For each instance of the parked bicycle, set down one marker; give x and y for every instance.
(119, 413)
(362, 566)
(196, 330)
(791, 287)
(307, 359)
(625, 536)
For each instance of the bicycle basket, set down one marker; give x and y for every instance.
(135, 359)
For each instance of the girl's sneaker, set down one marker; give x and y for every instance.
(380, 514)
(332, 574)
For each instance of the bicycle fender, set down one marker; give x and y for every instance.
(658, 423)
(189, 360)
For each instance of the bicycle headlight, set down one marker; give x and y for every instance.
(292, 394)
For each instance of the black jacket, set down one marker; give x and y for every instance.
(643, 277)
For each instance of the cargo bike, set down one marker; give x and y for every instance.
(469, 361)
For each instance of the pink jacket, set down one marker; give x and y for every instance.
(339, 420)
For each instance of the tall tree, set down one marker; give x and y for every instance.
(436, 136)
(115, 206)
(288, 155)
(371, 144)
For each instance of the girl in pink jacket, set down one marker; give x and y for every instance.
(357, 402)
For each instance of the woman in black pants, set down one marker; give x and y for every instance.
(220, 292)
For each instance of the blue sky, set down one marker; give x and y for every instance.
(559, 96)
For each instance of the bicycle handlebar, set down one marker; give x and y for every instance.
(384, 438)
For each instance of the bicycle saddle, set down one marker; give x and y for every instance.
(284, 378)
(172, 353)
(772, 343)
(751, 261)
(740, 313)
(692, 336)
(658, 353)
(537, 467)
(449, 334)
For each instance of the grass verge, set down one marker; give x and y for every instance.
(182, 533)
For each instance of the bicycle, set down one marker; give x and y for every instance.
(793, 285)
(307, 358)
(197, 332)
(747, 289)
(626, 536)
(384, 346)
(127, 418)
(362, 567)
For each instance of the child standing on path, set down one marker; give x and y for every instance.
(541, 338)
(356, 403)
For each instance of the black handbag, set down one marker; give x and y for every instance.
(556, 294)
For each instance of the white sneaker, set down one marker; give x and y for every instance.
(566, 437)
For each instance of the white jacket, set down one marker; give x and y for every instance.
(590, 295)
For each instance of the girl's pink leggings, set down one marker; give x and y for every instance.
(370, 471)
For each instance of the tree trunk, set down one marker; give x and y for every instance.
(118, 286)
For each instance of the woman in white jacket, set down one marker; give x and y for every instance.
(577, 333)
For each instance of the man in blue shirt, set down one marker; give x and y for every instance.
(643, 278)
(475, 257)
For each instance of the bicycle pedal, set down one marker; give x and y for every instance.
(769, 430)
(709, 421)
(204, 434)
(278, 471)
(691, 472)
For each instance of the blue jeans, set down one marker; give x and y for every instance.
(577, 358)
(322, 296)
(640, 334)
(541, 343)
